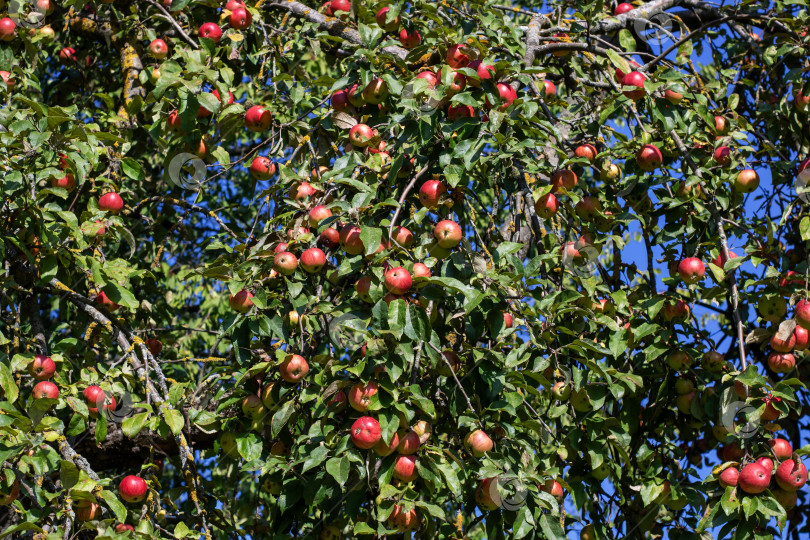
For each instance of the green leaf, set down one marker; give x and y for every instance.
(114, 504)
(134, 424)
(132, 169)
(627, 41)
(10, 390)
(174, 419)
(281, 417)
(371, 238)
(120, 295)
(338, 467)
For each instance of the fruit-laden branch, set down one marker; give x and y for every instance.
(174, 23)
(721, 232)
(123, 337)
(334, 26)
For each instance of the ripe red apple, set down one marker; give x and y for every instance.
(240, 18)
(430, 193)
(45, 389)
(546, 206)
(672, 96)
(403, 520)
(8, 79)
(105, 301)
(588, 208)
(385, 24)
(458, 82)
(508, 320)
(338, 401)
(767, 463)
(781, 448)
(340, 100)
(7, 29)
(507, 94)
(421, 270)
(375, 91)
(159, 49)
(42, 367)
(67, 182)
(95, 398)
(802, 314)
(429, 76)
(205, 113)
(553, 488)
(721, 125)
(729, 477)
(350, 240)
(340, 6)
(791, 476)
(409, 39)
(366, 432)
(720, 260)
(123, 527)
(173, 123)
(231, 5)
(619, 74)
(312, 260)
(211, 31)
(67, 55)
(747, 181)
(587, 151)
(478, 442)
(460, 111)
(636, 79)
(398, 280)
(293, 368)
(691, 270)
(360, 135)
(456, 57)
(549, 88)
(802, 338)
(383, 449)
(318, 214)
(676, 311)
(487, 496)
(624, 7)
(771, 413)
(484, 72)
(782, 346)
(132, 489)
(754, 478)
(649, 157)
(257, 119)
(722, 155)
(408, 443)
(111, 202)
(286, 263)
(329, 238)
(563, 179)
(447, 233)
(241, 302)
(402, 236)
(360, 395)
(262, 168)
(405, 468)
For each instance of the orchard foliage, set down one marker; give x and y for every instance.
(373, 268)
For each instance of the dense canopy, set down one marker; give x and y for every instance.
(370, 269)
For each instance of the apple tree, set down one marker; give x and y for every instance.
(361, 268)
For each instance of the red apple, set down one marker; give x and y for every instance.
(563, 179)
(802, 314)
(205, 113)
(360, 135)
(241, 302)
(383, 449)
(409, 39)
(366, 432)
(398, 280)
(91, 512)
(408, 443)
(123, 527)
(720, 260)
(771, 413)
(430, 193)
(487, 496)
(508, 320)
(649, 157)
(329, 238)
(447, 233)
(672, 96)
(507, 94)
(790, 475)
(403, 520)
(159, 49)
(384, 23)
(624, 7)
(262, 168)
(588, 208)
(403, 236)
(754, 478)
(67, 55)
(549, 89)
(111, 202)
(154, 345)
(375, 91)
(339, 6)
(691, 270)
(460, 111)
(67, 182)
(211, 31)
(458, 82)
(729, 477)
(301, 191)
(546, 206)
(619, 74)
(781, 363)
(721, 125)
(478, 442)
(587, 151)
(293, 368)
(45, 389)
(173, 122)
(428, 76)
(722, 155)
(257, 119)
(405, 468)
(802, 338)
(781, 448)
(782, 346)
(312, 260)
(132, 489)
(340, 100)
(456, 58)
(105, 301)
(7, 29)
(360, 395)
(636, 79)
(484, 72)
(240, 18)
(42, 367)
(8, 79)
(553, 488)
(766, 462)
(747, 181)
(350, 240)
(421, 270)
